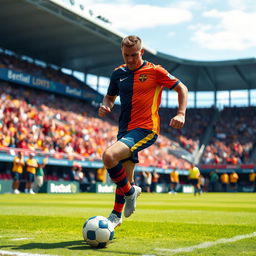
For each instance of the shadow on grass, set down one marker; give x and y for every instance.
(70, 245)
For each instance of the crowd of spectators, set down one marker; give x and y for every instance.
(61, 127)
(39, 121)
(197, 121)
(234, 137)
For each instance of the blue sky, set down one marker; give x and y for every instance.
(191, 29)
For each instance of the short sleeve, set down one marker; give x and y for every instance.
(113, 88)
(165, 79)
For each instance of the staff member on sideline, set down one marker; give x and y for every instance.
(193, 177)
(31, 165)
(17, 170)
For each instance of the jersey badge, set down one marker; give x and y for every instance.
(143, 78)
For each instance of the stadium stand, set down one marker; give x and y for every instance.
(232, 141)
(60, 127)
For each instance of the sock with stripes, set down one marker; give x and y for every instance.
(119, 202)
(118, 176)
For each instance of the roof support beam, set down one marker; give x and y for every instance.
(240, 73)
(174, 68)
(211, 79)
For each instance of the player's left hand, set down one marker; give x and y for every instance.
(177, 121)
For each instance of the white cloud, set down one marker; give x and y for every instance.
(130, 16)
(244, 5)
(190, 5)
(235, 30)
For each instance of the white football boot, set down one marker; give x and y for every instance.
(130, 202)
(116, 221)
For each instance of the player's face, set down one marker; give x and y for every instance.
(132, 56)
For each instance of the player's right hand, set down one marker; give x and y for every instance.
(103, 110)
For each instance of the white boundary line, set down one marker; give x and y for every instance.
(20, 239)
(22, 254)
(207, 244)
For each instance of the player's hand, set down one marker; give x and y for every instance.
(103, 110)
(177, 121)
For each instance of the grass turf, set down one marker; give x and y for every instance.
(52, 224)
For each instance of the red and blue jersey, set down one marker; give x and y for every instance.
(140, 93)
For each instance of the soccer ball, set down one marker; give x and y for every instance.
(98, 231)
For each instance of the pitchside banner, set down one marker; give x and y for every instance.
(5, 186)
(47, 85)
(100, 187)
(60, 187)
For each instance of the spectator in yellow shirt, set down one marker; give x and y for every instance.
(174, 177)
(233, 181)
(31, 165)
(17, 170)
(101, 174)
(224, 181)
(193, 177)
(252, 179)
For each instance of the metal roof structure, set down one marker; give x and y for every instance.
(68, 35)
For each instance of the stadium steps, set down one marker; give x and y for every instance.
(207, 136)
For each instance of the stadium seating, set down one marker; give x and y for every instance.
(63, 128)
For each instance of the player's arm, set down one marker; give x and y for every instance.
(107, 105)
(179, 120)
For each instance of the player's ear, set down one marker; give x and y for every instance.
(142, 51)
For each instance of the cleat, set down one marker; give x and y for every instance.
(116, 221)
(130, 202)
(16, 191)
(31, 192)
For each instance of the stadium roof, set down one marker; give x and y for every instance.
(71, 36)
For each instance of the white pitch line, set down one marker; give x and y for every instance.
(22, 254)
(20, 239)
(207, 244)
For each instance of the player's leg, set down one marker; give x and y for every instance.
(111, 159)
(127, 147)
(16, 182)
(30, 181)
(116, 215)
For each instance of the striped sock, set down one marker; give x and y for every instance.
(118, 176)
(119, 202)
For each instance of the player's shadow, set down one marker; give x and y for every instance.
(70, 245)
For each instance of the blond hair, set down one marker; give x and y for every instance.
(131, 41)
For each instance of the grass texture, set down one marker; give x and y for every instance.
(52, 224)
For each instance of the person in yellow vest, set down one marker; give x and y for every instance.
(193, 177)
(224, 178)
(101, 175)
(174, 177)
(17, 170)
(31, 165)
(252, 180)
(233, 178)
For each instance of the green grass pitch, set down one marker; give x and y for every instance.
(52, 224)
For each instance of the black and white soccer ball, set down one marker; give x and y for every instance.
(98, 231)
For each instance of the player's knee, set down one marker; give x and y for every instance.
(108, 159)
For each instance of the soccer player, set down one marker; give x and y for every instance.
(139, 84)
